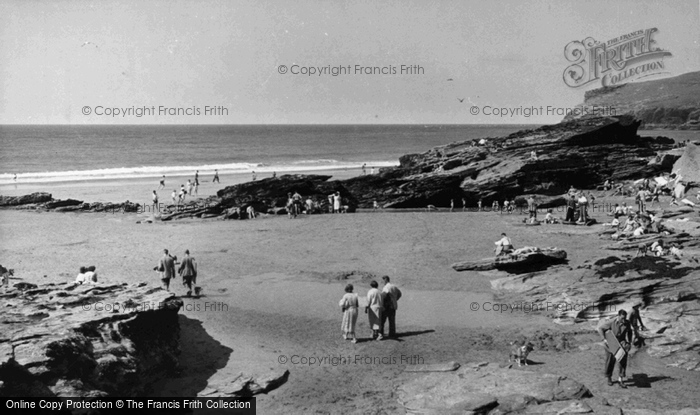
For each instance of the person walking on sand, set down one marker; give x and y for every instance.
(374, 310)
(195, 186)
(162, 183)
(349, 305)
(155, 201)
(173, 195)
(182, 194)
(188, 272)
(390, 299)
(166, 267)
(452, 205)
(620, 327)
(216, 176)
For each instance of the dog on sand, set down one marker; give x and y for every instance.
(520, 351)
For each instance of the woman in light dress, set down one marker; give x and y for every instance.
(374, 310)
(349, 305)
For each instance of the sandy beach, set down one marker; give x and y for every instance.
(271, 292)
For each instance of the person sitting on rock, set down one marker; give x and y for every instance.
(676, 251)
(503, 245)
(657, 248)
(81, 278)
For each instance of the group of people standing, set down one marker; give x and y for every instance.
(190, 188)
(381, 307)
(187, 270)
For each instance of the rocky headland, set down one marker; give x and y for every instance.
(669, 103)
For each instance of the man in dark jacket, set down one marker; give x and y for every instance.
(188, 272)
(620, 327)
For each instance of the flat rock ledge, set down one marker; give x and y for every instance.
(486, 388)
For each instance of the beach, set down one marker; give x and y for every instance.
(272, 286)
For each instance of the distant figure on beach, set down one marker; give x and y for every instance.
(583, 208)
(174, 196)
(349, 305)
(503, 245)
(374, 310)
(390, 300)
(255, 176)
(188, 272)
(336, 202)
(375, 205)
(162, 183)
(532, 208)
(309, 206)
(494, 206)
(620, 328)
(464, 205)
(155, 200)
(274, 174)
(196, 178)
(479, 204)
(533, 155)
(364, 169)
(189, 187)
(15, 178)
(250, 210)
(549, 218)
(216, 176)
(86, 276)
(452, 205)
(371, 170)
(183, 193)
(166, 267)
(195, 188)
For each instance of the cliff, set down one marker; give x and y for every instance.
(669, 103)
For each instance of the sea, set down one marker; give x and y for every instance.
(104, 158)
(59, 153)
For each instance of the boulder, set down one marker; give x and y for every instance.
(519, 261)
(688, 166)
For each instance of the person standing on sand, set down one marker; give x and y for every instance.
(166, 267)
(479, 204)
(188, 272)
(364, 169)
(155, 202)
(336, 202)
(464, 205)
(374, 310)
(452, 205)
(391, 295)
(216, 176)
(636, 322)
(621, 329)
(532, 208)
(196, 178)
(174, 196)
(349, 305)
(162, 183)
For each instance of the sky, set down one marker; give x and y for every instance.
(219, 62)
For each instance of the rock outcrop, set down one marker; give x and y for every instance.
(667, 289)
(86, 340)
(487, 388)
(669, 103)
(688, 165)
(519, 261)
(544, 162)
(34, 198)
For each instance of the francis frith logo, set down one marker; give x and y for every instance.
(626, 58)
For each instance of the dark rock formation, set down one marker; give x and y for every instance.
(672, 103)
(270, 194)
(33, 198)
(516, 262)
(581, 153)
(87, 340)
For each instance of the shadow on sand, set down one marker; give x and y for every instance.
(201, 356)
